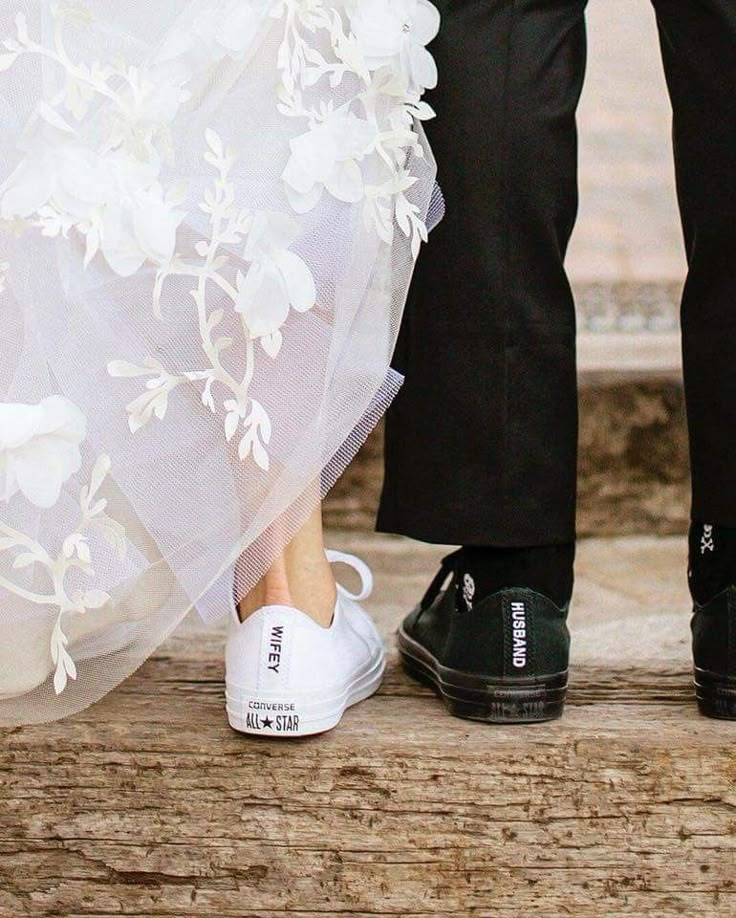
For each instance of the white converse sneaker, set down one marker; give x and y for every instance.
(285, 675)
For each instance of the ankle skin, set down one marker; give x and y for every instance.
(301, 576)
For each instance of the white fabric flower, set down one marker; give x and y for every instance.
(208, 35)
(277, 279)
(148, 108)
(238, 29)
(66, 176)
(192, 40)
(115, 200)
(327, 156)
(39, 448)
(141, 227)
(389, 29)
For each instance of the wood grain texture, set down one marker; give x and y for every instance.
(148, 805)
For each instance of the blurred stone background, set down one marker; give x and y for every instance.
(627, 265)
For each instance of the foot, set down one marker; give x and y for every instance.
(502, 659)
(714, 654)
(287, 676)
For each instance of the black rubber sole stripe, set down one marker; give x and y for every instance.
(474, 697)
(716, 694)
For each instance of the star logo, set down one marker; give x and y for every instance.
(267, 722)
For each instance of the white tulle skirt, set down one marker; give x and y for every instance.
(209, 216)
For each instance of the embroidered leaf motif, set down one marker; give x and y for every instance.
(7, 61)
(257, 436)
(52, 117)
(76, 551)
(65, 667)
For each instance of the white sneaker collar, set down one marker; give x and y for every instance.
(334, 557)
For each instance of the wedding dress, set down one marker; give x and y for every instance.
(209, 216)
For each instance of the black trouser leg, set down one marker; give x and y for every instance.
(481, 443)
(698, 39)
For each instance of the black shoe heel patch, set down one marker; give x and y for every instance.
(716, 694)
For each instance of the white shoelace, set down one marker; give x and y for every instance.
(360, 567)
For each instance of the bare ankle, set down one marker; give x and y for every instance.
(307, 584)
(301, 576)
(315, 593)
(271, 590)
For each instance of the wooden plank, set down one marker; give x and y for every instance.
(147, 804)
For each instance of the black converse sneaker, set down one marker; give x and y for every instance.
(714, 654)
(502, 659)
(712, 561)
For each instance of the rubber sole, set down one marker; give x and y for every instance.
(482, 698)
(295, 715)
(716, 694)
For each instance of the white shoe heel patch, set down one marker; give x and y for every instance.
(275, 656)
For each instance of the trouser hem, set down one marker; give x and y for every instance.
(485, 535)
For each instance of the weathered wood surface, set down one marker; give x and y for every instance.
(147, 804)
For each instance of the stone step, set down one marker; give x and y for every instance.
(628, 331)
(147, 804)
